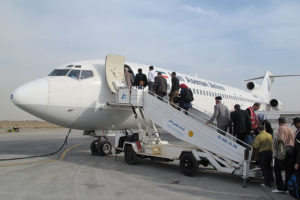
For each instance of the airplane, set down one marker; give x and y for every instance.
(76, 95)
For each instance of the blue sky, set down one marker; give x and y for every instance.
(224, 41)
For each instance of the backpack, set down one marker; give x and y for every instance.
(293, 186)
(188, 96)
(279, 150)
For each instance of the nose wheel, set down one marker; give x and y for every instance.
(101, 147)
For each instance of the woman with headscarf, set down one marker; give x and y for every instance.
(262, 120)
(182, 97)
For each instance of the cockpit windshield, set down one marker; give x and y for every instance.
(59, 72)
(74, 74)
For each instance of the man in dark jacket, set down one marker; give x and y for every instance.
(241, 123)
(174, 92)
(296, 123)
(140, 79)
(160, 85)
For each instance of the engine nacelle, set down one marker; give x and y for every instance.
(252, 86)
(276, 104)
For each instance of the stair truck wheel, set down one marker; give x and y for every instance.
(188, 164)
(130, 156)
(93, 147)
(104, 148)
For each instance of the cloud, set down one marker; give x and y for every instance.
(205, 37)
(197, 10)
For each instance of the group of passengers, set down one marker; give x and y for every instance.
(157, 84)
(247, 126)
(255, 130)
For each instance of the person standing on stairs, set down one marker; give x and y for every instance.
(151, 78)
(160, 86)
(174, 89)
(185, 97)
(140, 79)
(221, 114)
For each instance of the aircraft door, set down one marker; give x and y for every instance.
(114, 69)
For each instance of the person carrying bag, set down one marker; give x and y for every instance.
(284, 156)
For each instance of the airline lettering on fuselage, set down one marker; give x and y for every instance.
(198, 82)
(213, 85)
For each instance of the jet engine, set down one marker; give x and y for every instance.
(276, 104)
(252, 86)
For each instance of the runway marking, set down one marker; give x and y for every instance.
(63, 155)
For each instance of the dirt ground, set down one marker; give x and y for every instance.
(25, 125)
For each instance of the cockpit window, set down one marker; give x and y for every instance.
(77, 66)
(59, 72)
(69, 66)
(74, 74)
(86, 74)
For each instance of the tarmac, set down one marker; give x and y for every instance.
(74, 173)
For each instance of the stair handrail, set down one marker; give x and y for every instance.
(203, 120)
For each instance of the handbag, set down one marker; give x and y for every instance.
(280, 151)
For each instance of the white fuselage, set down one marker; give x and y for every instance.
(81, 103)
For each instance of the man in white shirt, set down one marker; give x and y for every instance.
(151, 78)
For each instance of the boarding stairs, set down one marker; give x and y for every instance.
(221, 149)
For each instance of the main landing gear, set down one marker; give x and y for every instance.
(101, 147)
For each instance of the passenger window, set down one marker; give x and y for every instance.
(59, 72)
(194, 91)
(200, 92)
(74, 74)
(70, 66)
(197, 91)
(77, 66)
(86, 74)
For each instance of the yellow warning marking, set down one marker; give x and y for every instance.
(63, 155)
(191, 133)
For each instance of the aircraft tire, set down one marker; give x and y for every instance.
(104, 148)
(188, 164)
(93, 147)
(130, 156)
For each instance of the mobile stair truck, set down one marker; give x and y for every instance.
(205, 143)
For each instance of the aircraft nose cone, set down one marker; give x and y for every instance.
(32, 96)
